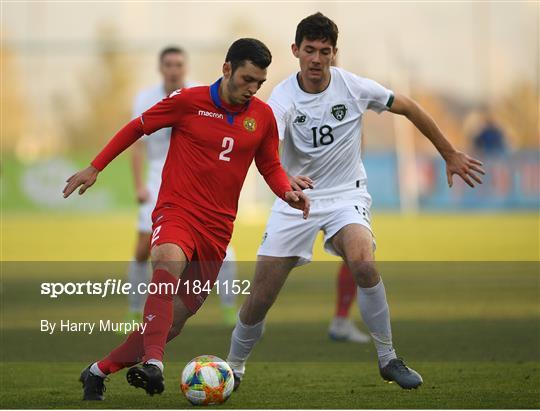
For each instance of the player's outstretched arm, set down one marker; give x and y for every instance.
(164, 114)
(468, 168)
(122, 140)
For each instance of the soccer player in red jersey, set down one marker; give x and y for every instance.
(217, 131)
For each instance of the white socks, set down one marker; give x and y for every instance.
(243, 338)
(94, 369)
(375, 313)
(137, 273)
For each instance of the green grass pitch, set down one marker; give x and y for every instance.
(472, 328)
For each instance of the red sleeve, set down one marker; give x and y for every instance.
(122, 140)
(267, 161)
(164, 114)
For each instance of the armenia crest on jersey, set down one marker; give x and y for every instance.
(339, 111)
(250, 124)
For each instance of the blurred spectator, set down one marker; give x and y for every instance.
(490, 140)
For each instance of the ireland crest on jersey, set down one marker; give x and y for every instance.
(339, 111)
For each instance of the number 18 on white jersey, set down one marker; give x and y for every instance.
(321, 132)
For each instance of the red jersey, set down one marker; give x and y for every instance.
(211, 149)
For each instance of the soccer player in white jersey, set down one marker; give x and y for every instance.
(319, 114)
(173, 68)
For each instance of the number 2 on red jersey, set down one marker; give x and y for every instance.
(227, 144)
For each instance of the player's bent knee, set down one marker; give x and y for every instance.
(169, 257)
(365, 273)
(167, 252)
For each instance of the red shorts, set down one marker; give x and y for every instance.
(205, 255)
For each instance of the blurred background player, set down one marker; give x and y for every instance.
(173, 70)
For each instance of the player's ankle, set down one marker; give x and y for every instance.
(238, 367)
(386, 358)
(155, 362)
(95, 370)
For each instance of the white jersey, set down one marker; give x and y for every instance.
(321, 132)
(157, 144)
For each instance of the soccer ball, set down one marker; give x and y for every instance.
(207, 380)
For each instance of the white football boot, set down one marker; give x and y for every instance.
(343, 329)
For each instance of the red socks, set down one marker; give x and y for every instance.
(129, 353)
(158, 317)
(346, 291)
(158, 314)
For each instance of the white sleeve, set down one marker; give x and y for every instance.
(279, 114)
(377, 97)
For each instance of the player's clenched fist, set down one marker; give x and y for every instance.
(298, 200)
(84, 179)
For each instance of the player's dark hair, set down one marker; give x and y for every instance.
(247, 49)
(316, 27)
(170, 50)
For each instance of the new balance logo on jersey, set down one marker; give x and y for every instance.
(210, 114)
(339, 111)
(299, 120)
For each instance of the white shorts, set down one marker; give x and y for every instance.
(144, 224)
(289, 235)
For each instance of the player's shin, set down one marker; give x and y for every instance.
(243, 339)
(376, 315)
(158, 315)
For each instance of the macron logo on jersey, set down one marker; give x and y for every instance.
(211, 114)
